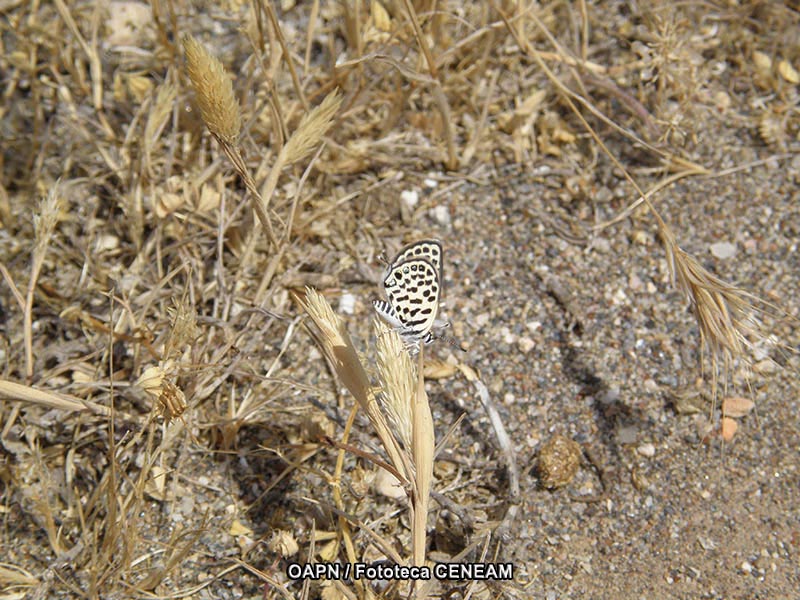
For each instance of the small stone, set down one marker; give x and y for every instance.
(651, 386)
(525, 344)
(410, 198)
(729, 427)
(441, 214)
(533, 326)
(723, 250)
(388, 485)
(347, 303)
(746, 568)
(627, 435)
(648, 450)
(737, 407)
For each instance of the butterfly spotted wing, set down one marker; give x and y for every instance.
(430, 250)
(413, 284)
(412, 287)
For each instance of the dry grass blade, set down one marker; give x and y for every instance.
(15, 391)
(309, 133)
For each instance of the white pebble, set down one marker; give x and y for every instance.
(347, 303)
(525, 344)
(410, 198)
(648, 450)
(441, 214)
(723, 249)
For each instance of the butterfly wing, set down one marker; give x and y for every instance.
(412, 287)
(430, 250)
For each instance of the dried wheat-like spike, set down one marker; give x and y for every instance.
(212, 84)
(312, 127)
(397, 377)
(725, 313)
(337, 346)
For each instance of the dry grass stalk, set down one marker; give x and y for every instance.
(308, 134)
(220, 112)
(214, 92)
(44, 225)
(405, 402)
(397, 378)
(423, 450)
(15, 391)
(437, 89)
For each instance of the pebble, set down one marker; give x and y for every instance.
(648, 450)
(723, 250)
(627, 435)
(441, 214)
(410, 198)
(525, 344)
(347, 303)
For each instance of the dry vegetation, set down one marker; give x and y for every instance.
(175, 177)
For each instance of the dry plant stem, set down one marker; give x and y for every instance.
(567, 94)
(437, 90)
(507, 448)
(95, 66)
(723, 312)
(287, 55)
(539, 56)
(23, 393)
(664, 183)
(362, 526)
(422, 448)
(259, 206)
(344, 527)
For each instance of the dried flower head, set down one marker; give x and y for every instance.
(212, 84)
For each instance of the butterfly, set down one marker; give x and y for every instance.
(413, 283)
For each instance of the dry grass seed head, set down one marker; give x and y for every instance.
(312, 127)
(398, 380)
(337, 346)
(212, 85)
(725, 314)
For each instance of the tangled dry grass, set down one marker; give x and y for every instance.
(175, 175)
